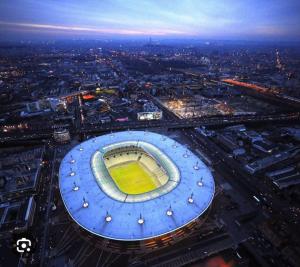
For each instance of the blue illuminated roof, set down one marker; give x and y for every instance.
(97, 212)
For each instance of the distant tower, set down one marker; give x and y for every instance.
(278, 61)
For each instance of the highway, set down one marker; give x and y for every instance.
(45, 237)
(172, 123)
(188, 123)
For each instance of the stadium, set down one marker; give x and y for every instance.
(135, 190)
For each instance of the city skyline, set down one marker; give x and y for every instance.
(235, 20)
(150, 133)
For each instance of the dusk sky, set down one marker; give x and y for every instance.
(210, 19)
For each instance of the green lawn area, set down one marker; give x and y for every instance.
(132, 178)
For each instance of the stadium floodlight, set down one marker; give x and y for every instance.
(85, 203)
(76, 187)
(81, 148)
(72, 173)
(190, 199)
(141, 220)
(200, 183)
(196, 167)
(170, 211)
(185, 155)
(108, 217)
(174, 145)
(72, 160)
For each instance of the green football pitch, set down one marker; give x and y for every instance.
(133, 178)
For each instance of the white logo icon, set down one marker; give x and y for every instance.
(23, 245)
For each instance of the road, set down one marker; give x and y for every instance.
(170, 121)
(45, 237)
(189, 123)
(167, 123)
(240, 179)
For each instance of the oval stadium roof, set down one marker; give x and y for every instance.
(102, 215)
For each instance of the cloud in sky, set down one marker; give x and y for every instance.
(62, 28)
(237, 19)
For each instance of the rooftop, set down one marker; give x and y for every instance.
(20, 171)
(120, 219)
